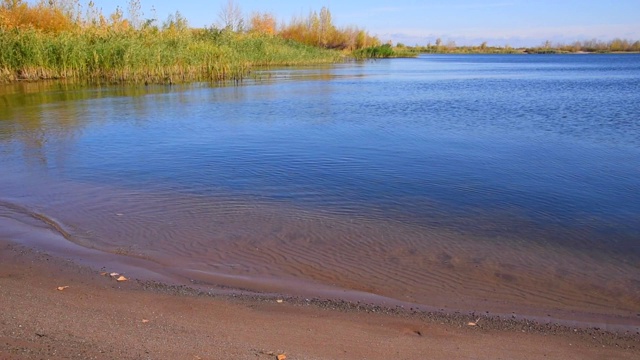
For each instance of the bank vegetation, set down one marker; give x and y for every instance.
(62, 39)
(588, 46)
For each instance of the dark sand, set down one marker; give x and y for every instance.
(99, 318)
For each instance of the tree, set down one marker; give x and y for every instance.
(263, 23)
(70, 8)
(117, 20)
(231, 17)
(451, 45)
(134, 11)
(52, 16)
(318, 30)
(361, 39)
(325, 27)
(619, 45)
(10, 4)
(176, 23)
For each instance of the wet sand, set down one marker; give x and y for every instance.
(99, 318)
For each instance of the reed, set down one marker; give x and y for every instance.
(146, 56)
(318, 30)
(52, 39)
(382, 52)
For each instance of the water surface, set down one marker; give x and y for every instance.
(461, 182)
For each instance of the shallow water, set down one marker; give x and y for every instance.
(461, 182)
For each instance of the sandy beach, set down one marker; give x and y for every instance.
(96, 317)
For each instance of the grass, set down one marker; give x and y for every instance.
(149, 56)
(52, 39)
(382, 52)
(592, 46)
(62, 39)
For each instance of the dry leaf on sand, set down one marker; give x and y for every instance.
(122, 278)
(281, 357)
(144, 321)
(60, 288)
(279, 301)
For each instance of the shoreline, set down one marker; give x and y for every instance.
(512, 252)
(33, 327)
(52, 240)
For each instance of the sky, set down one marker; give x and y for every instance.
(467, 22)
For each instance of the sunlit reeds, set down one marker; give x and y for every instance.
(319, 30)
(142, 56)
(112, 50)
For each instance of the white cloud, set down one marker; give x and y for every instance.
(513, 37)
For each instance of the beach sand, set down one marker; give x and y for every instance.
(96, 317)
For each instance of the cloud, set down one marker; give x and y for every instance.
(513, 37)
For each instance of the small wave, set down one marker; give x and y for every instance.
(31, 217)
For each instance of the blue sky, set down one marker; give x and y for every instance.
(500, 22)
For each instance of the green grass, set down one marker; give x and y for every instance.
(150, 56)
(382, 52)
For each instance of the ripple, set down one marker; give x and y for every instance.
(436, 183)
(26, 216)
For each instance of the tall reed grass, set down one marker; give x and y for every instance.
(151, 55)
(55, 39)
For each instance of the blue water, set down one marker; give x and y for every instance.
(494, 140)
(445, 179)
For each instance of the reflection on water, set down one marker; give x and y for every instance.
(504, 179)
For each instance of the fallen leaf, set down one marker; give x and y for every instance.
(122, 278)
(144, 321)
(104, 273)
(279, 301)
(60, 288)
(114, 274)
(281, 357)
(472, 324)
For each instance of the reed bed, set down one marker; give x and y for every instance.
(151, 56)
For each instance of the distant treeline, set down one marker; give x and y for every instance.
(59, 39)
(590, 46)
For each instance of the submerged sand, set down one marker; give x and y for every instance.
(97, 317)
(274, 249)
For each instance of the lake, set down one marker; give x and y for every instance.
(500, 183)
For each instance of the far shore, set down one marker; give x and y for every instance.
(55, 308)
